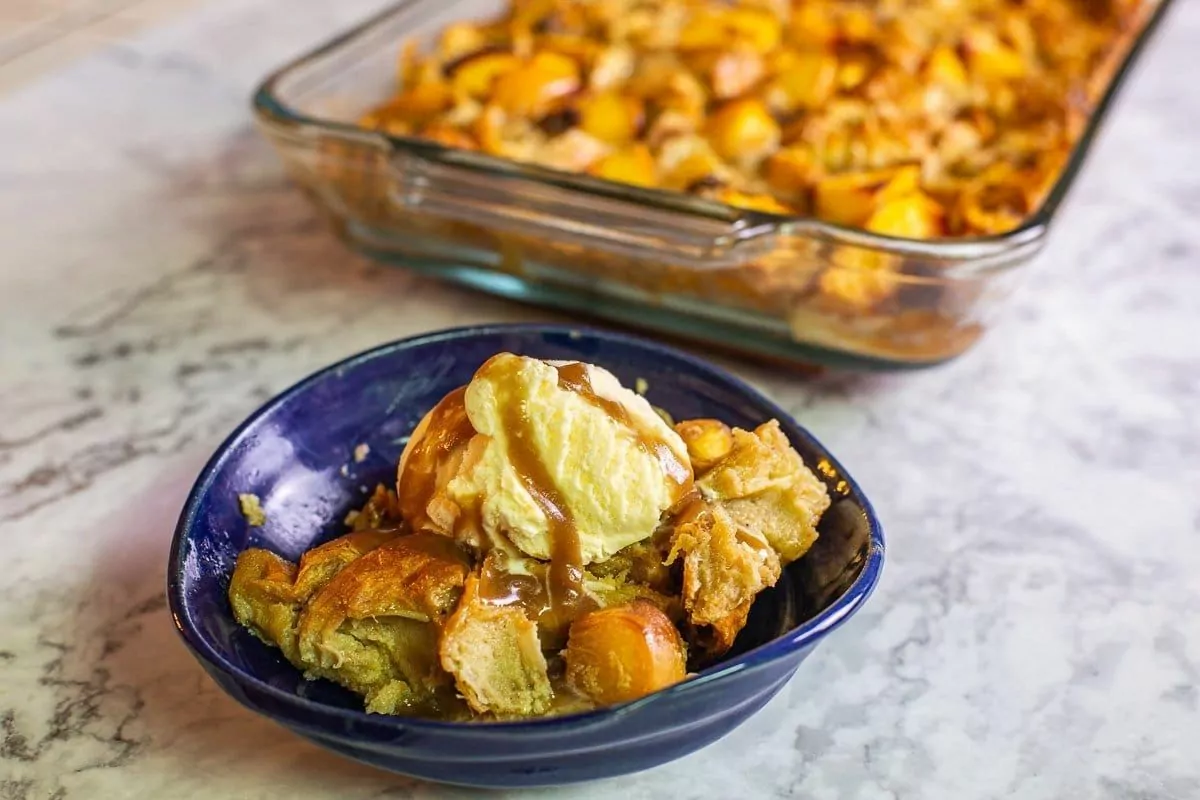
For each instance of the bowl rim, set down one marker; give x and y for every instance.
(774, 650)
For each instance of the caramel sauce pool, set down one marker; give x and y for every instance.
(500, 587)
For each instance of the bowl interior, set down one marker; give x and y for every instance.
(314, 453)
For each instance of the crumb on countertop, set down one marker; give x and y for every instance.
(252, 510)
(361, 452)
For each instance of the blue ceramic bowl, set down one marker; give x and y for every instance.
(296, 454)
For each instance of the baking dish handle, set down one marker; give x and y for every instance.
(519, 204)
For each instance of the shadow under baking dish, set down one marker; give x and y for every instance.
(297, 454)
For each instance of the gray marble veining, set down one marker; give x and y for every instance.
(1037, 634)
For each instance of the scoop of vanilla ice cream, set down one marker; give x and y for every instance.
(602, 453)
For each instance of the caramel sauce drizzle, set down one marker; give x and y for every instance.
(448, 429)
(574, 377)
(560, 596)
(565, 586)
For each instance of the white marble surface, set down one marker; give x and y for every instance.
(1037, 633)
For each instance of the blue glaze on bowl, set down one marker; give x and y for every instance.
(296, 453)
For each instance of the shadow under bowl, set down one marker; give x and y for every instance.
(301, 454)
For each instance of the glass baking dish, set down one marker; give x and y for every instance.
(659, 260)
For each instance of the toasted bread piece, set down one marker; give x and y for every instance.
(763, 484)
(495, 656)
(374, 627)
(268, 593)
(262, 594)
(724, 568)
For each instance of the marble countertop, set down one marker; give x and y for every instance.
(1037, 631)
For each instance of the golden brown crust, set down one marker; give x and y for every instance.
(419, 576)
(319, 565)
(362, 610)
(373, 628)
(914, 119)
(724, 568)
(757, 511)
(765, 487)
(263, 598)
(783, 106)
(621, 653)
(708, 441)
(495, 656)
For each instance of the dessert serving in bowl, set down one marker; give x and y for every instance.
(477, 557)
